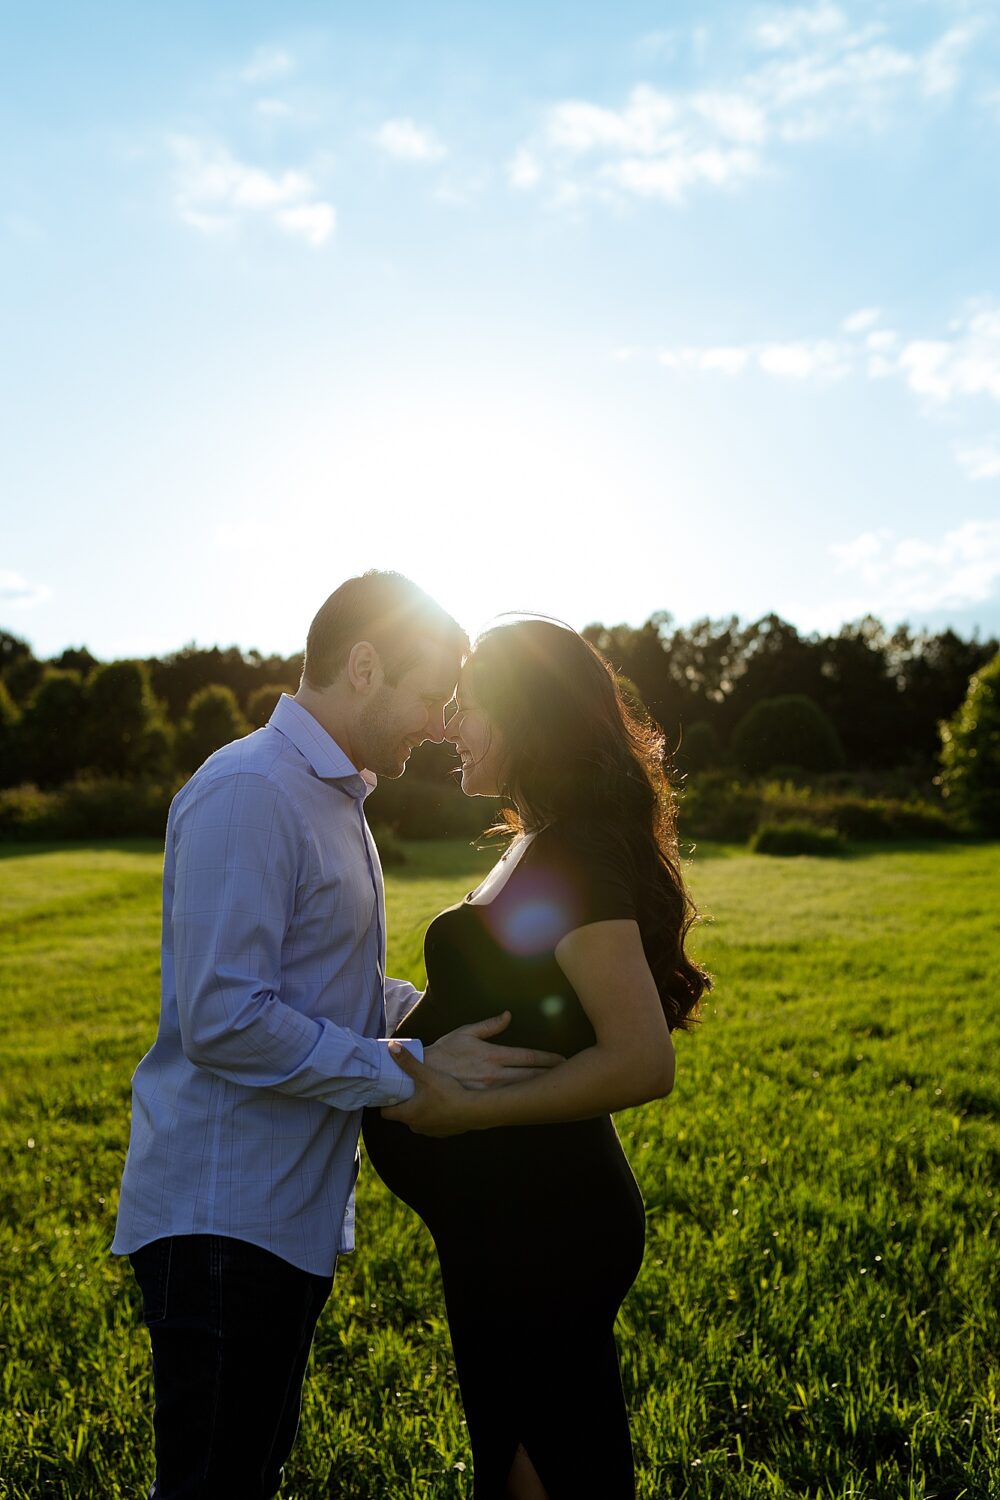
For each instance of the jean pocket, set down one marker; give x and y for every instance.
(151, 1265)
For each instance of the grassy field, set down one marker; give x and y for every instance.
(818, 1311)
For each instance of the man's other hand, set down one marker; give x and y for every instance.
(477, 1063)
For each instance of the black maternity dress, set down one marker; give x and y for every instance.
(539, 1228)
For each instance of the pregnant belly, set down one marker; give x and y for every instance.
(427, 1173)
(560, 1181)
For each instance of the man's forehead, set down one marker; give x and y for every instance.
(436, 673)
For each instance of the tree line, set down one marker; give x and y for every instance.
(882, 693)
(752, 696)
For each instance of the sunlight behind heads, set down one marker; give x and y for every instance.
(490, 508)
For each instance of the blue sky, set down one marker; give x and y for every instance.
(584, 309)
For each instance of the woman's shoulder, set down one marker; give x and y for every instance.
(588, 849)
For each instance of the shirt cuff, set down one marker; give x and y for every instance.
(391, 1077)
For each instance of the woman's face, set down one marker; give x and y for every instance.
(480, 745)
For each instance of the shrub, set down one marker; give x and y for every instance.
(25, 812)
(872, 819)
(390, 850)
(212, 720)
(89, 807)
(261, 703)
(717, 806)
(700, 747)
(970, 752)
(788, 731)
(796, 838)
(415, 808)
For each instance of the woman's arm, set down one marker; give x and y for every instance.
(631, 1062)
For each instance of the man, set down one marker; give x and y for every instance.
(237, 1195)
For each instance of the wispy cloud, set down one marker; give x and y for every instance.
(798, 26)
(981, 461)
(215, 192)
(902, 574)
(965, 364)
(273, 109)
(405, 140)
(808, 72)
(267, 64)
(18, 593)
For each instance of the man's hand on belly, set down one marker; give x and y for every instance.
(472, 1060)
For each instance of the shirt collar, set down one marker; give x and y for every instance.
(320, 749)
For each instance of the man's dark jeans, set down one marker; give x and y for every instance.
(231, 1326)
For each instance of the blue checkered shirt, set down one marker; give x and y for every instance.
(275, 1010)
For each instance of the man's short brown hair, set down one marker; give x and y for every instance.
(390, 611)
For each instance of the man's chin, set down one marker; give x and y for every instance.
(391, 770)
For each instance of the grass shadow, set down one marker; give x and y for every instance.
(18, 849)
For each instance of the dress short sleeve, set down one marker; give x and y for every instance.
(591, 867)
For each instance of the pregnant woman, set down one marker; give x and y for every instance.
(578, 932)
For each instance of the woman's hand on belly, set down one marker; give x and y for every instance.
(472, 1060)
(440, 1106)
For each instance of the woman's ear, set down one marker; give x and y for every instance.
(364, 668)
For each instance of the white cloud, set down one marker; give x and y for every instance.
(813, 75)
(654, 146)
(735, 116)
(721, 360)
(964, 364)
(17, 593)
(791, 28)
(215, 192)
(862, 320)
(940, 65)
(407, 141)
(669, 177)
(727, 360)
(266, 64)
(960, 568)
(523, 170)
(804, 359)
(312, 222)
(967, 364)
(645, 126)
(273, 109)
(981, 461)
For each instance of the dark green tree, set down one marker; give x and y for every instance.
(786, 731)
(12, 649)
(126, 735)
(10, 757)
(178, 677)
(21, 670)
(970, 752)
(76, 659)
(213, 718)
(53, 732)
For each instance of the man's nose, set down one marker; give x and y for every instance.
(435, 727)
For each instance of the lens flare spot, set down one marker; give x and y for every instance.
(552, 1007)
(535, 921)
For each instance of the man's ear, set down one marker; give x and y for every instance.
(364, 668)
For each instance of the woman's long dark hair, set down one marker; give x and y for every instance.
(576, 751)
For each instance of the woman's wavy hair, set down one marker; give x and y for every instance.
(576, 749)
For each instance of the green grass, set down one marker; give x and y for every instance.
(817, 1315)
